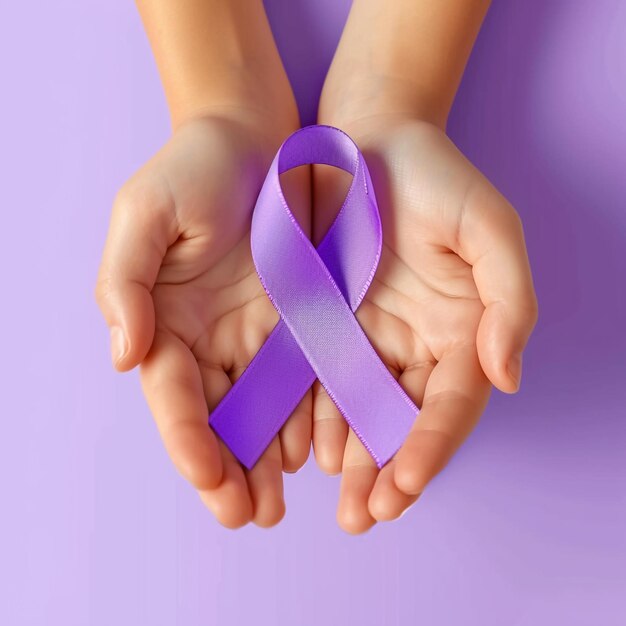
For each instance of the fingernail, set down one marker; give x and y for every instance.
(514, 368)
(118, 344)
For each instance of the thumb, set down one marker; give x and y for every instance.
(503, 332)
(492, 239)
(135, 246)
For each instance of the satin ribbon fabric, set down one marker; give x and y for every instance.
(316, 292)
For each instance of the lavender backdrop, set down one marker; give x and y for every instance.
(527, 526)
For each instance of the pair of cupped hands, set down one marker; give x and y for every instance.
(449, 311)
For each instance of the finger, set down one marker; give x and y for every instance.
(265, 483)
(386, 502)
(415, 378)
(173, 388)
(492, 240)
(455, 396)
(295, 435)
(330, 432)
(139, 234)
(230, 501)
(358, 476)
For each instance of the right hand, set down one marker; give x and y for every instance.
(449, 311)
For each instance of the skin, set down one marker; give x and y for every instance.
(177, 284)
(452, 304)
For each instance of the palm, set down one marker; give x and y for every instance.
(211, 314)
(207, 292)
(421, 313)
(423, 288)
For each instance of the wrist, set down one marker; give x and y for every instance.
(266, 100)
(215, 57)
(401, 58)
(362, 99)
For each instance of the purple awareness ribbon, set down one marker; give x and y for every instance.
(316, 292)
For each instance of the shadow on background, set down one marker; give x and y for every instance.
(540, 112)
(306, 34)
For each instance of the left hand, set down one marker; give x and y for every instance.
(450, 309)
(178, 287)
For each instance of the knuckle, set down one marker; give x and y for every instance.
(103, 289)
(148, 190)
(128, 198)
(533, 309)
(528, 311)
(513, 219)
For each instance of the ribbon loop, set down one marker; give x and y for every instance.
(316, 293)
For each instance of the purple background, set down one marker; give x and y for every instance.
(528, 524)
